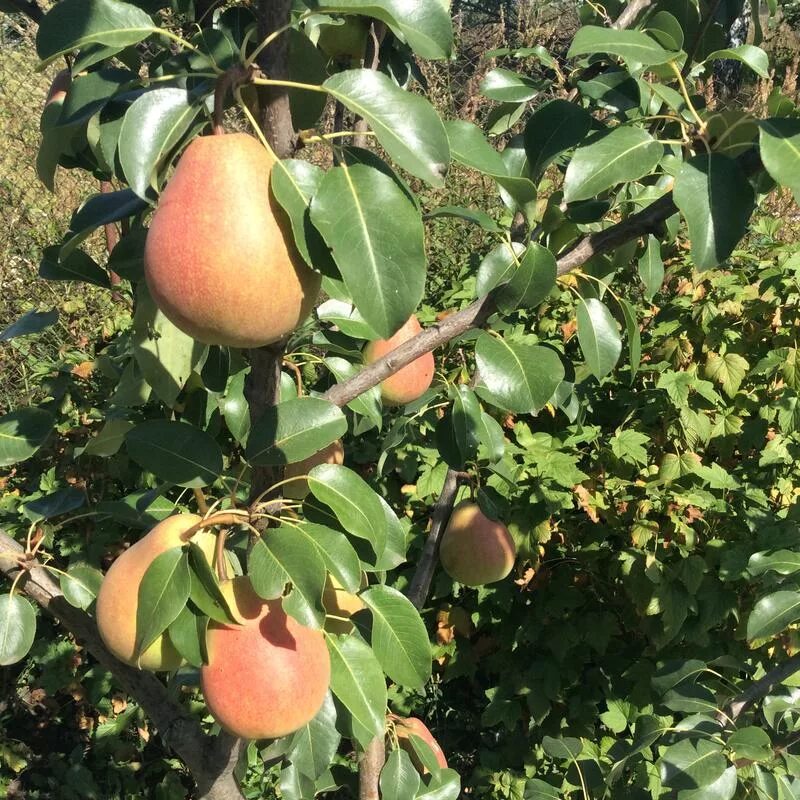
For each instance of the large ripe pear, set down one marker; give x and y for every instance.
(118, 598)
(476, 550)
(413, 380)
(268, 676)
(220, 260)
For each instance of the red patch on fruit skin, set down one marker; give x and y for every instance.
(413, 380)
(222, 267)
(267, 677)
(404, 728)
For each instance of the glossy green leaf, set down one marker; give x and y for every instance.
(399, 638)
(716, 200)
(539, 790)
(633, 335)
(780, 151)
(312, 747)
(751, 743)
(399, 778)
(406, 125)
(357, 682)
(599, 337)
(17, 628)
(29, 323)
(163, 593)
(531, 281)
(368, 403)
(341, 560)
(283, 556)
(506, 86)
(77, 267)
(425, 26)
(73, 24)
(723, 788)
(473, 215)
(634, 47)
(498, 266)
(176, 452)
(352, 501)
(614, 90)
(294, 430)
(188, 632)
(108, 440)
(22, 433)
(784, 562)
(394, 553)
(651, 267)
(377, 238)
(553, 128)
(151, 128)
(691, 764)
(294, 183)
(205, 592)
(749, 54)
(54, 504)
(772, 614)
(520, 377)
(492, 438)
(624, 154)
(80, 585)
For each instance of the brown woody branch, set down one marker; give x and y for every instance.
(631, 13)
(211, 760)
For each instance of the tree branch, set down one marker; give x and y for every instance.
(211, 760)
(630, 13)
(758, 690)
(369, 769)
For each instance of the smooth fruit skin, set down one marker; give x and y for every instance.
(266, 677)
(220, 260)
(413, 380)
(59, 87)
(348, 40)
(404, 728)
(118, 598)
(298, 490)
(475, 549)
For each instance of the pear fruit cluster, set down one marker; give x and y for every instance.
(220, 260)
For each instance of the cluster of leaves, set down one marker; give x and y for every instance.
(673, 482)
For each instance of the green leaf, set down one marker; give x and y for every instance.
(531, 282)
(520, 377)
(108, 440)
(399, 778)
(165, 355)
(728, 370)
(624, 154)
(17, 628)
(473, 215)
(29, 323)
(629, 445)
(539, 790)
(506, 86)
(399, 638)
(188, 633)
(405, 124)
(283, 556)
(377, 238)
(294, 430)
(235, 408)
(176, 452)
(498, 266)
(598, 336)
(492, 438)
(22, 433)
(633, 333)
(151, 128)
(394, 553)
(73, 24)
(352, 501)
(307, 64)
(716, 200)
(614, 90)
(340, 558)
(205, 592)
(77, 267)
(553, 128)
(426, 26)
(780, 151)
(445, 784)
(784, 562)
(312, 747)
(465, 421)
(368, 403)
(80, 585)
(773, 614)
(358, 683)
(566, 749)
(346, 318)
(651, 267)
(470, 148)
(691, 764)
(749, 54)
(751, 743)
(294, 183)
(634, 47)
(163, 592)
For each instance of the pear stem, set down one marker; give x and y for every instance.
(298, 376)
(222, 564)
(220, 518)
(229, 81)
(200, 499)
